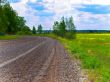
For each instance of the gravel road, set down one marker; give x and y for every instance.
(36, 59)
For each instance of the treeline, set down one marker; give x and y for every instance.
(38, 31)
(93, 31)
(65, 28)
(10, 22)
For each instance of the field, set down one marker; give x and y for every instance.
(93, 50)
(9, 37)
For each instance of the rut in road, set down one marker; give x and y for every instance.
(62, 68)
(47, 63)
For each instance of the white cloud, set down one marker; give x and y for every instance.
(24, 1)
(83, 20)
(90, 21)
(101, 2)
(26, 11)
(33, 1)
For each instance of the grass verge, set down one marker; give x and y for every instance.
(93, 50)
(9, 37)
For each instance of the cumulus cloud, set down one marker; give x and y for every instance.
(86, 13)
(89, 21)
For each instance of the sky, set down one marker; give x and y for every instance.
(87, 14)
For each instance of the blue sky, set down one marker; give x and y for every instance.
(87, 14)
(96, 9)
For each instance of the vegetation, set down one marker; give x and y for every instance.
(10, 22)
(34, 30)
(93, 50)
(9, 37)
(40, 28)
(64, 28)
(25, 31)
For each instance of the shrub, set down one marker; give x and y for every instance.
(2, 34)
(24, 33)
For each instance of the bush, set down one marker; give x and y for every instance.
(70, 35)
(24, 33)
(2, 34)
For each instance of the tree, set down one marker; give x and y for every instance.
(62, 27)
(25, 31)
(39, 30)
(65, 28)
(11, 17)
(20, 23)
(10, 22)
(56, 28)
(34, 30)
(3, 19)
(71, 31)
(2, 2)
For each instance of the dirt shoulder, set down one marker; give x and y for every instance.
(61, 68)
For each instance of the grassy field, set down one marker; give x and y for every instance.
(9, 37)
(93, 50)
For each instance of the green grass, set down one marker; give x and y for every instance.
(93, 50)
(9, 37)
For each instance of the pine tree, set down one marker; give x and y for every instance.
(34, 30)
(62, 27)
(39, 30)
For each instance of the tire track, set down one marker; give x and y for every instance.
(21, 55)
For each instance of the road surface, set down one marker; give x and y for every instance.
(36, 59)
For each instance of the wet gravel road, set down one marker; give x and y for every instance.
(36, 59)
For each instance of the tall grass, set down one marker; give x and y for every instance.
(9, 37)
(93, 50)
